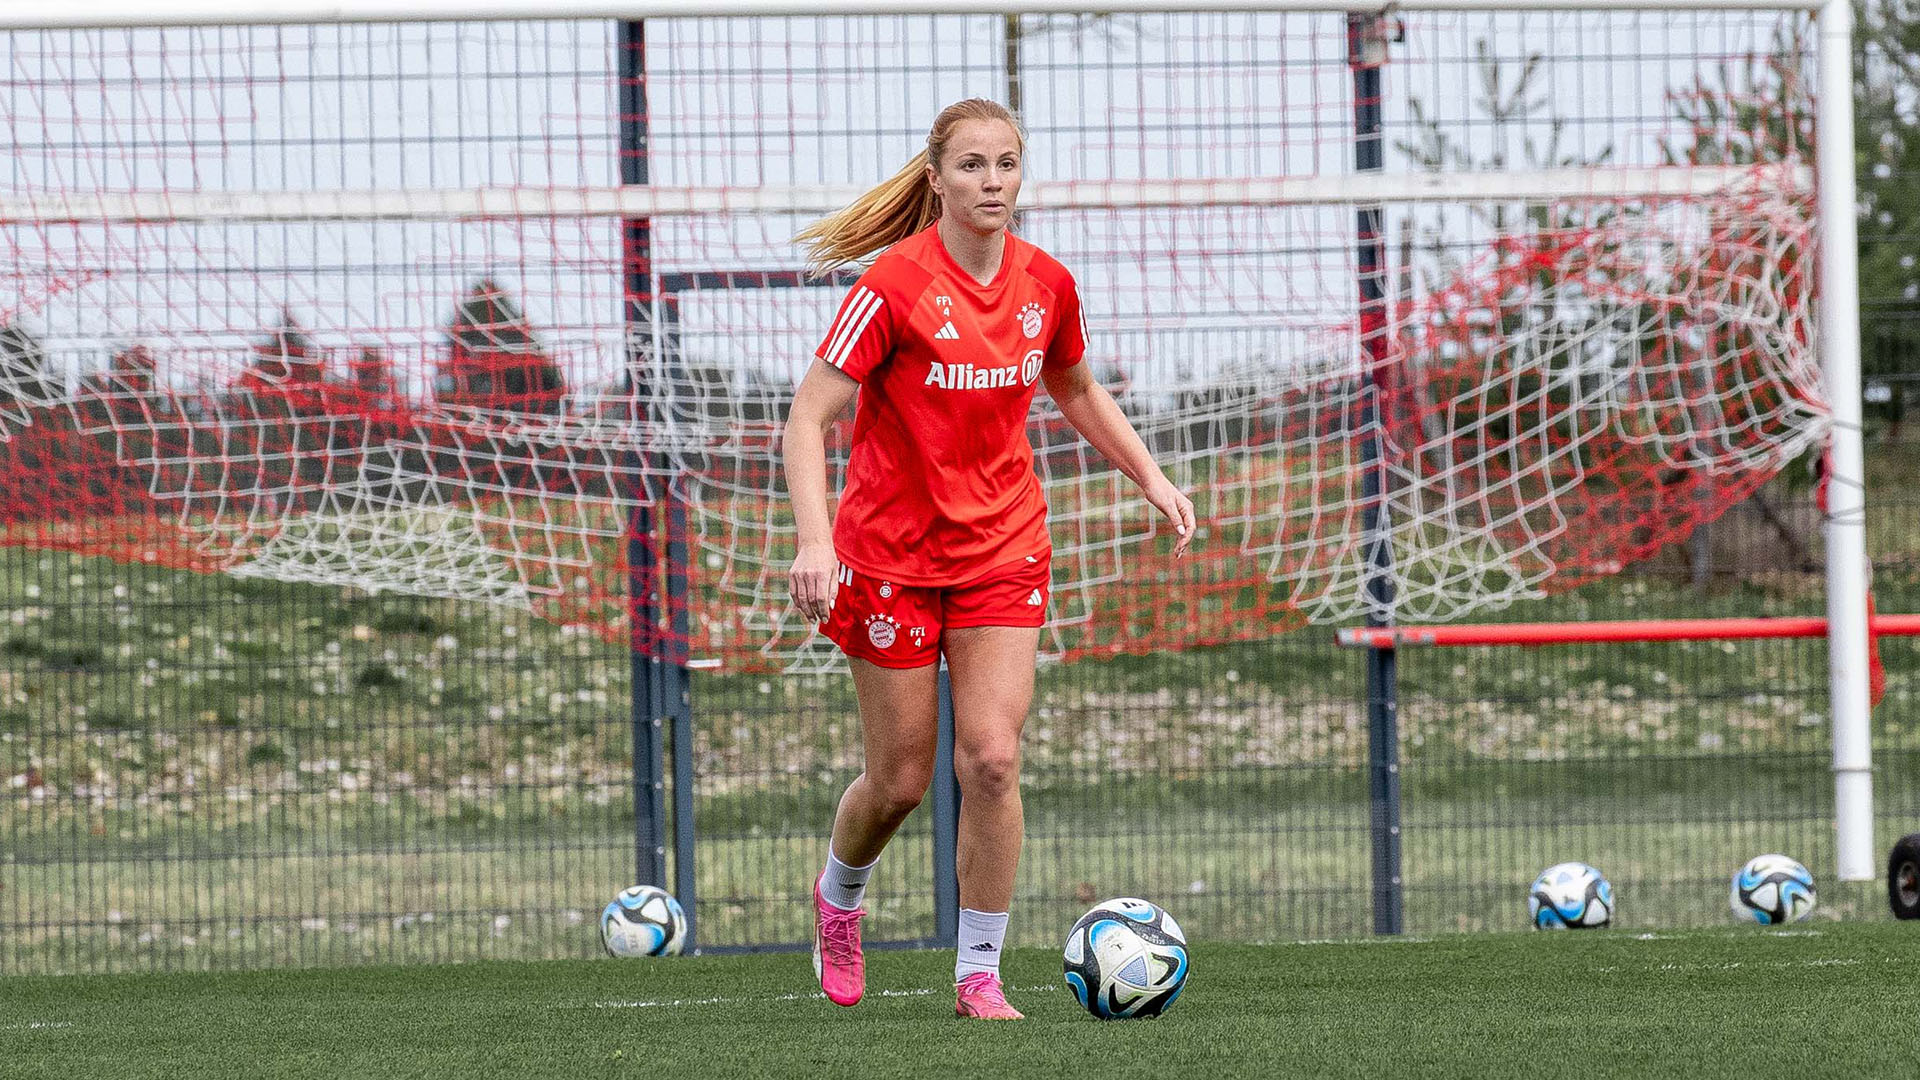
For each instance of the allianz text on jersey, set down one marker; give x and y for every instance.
(974, 377)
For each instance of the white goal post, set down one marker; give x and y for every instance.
(1831, 179)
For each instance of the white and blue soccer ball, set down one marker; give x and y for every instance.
(1570, 896)
(644, 921)
(1772, 889)
(1126, 958)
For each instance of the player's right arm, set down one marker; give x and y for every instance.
(858, 342)
(822, 397)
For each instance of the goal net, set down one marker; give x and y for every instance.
(511, 312)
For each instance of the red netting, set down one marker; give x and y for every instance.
(1563, 405)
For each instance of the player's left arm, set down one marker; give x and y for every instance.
(1097, 417)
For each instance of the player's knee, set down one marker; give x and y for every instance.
(900, 791)
(988, 772)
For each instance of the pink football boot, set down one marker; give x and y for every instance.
(980, 997)
(836, 951)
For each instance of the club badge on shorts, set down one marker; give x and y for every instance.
(882, 630)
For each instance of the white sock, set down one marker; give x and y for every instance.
(844, 886)
(981, 934)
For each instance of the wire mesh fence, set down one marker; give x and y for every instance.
(202, 770)
(211, 772)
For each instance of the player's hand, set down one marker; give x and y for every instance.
(814, 580)
(1169, 500)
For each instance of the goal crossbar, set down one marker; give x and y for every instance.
(639, 201)
(121, 13)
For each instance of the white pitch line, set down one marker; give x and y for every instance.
(1734, 965)
(37, 1025)
(1728, 932)
(816, 996)
(1397, 940)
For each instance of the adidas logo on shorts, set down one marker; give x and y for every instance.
(1034, 599)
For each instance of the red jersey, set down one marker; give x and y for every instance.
(940, 483)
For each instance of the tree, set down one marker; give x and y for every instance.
(129, 417)
(371, 376)
(494, 361)
(24, 378)
(276, 441)
(1887, 147)
(285, 362)
(122, 404)
(1508, 355)
(1762, 111)
(1886, 106)
(133, 370)
(1510, 102)
(49, 470)
(1498, 328)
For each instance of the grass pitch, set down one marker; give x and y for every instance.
(1832, 1000)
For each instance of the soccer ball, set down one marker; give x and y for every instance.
(644, 921)
(1570, 896)
(1126, 958)
(1772, 889)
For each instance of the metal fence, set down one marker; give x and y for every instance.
(210, 772)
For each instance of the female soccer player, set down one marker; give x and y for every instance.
(941, 540)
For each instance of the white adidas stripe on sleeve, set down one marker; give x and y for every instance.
(854, 339)
(848, 316)
(853, 323)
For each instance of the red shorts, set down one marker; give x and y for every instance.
(899, 626)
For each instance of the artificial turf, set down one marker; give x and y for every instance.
(1828, 999)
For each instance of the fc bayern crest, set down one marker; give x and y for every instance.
(1031, 318)
(881, 630)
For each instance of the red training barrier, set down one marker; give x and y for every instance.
(1574, 633)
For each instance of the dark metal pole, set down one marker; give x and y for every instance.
(636, 244)
(1366, 53)
(678, 683)
(946, 822)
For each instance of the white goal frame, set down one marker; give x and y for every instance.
(1839, 331)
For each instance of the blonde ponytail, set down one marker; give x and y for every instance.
(888, 214)
(902, 205)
